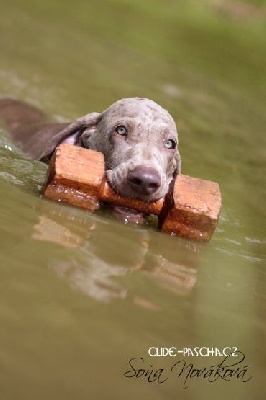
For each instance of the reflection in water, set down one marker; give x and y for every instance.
(48, 230)
(94, 280)
(176, 277)
(100, 257)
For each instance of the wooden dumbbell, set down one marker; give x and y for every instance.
(77, 176)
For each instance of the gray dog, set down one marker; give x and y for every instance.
(137, 137)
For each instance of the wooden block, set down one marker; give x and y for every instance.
(193, 210)
(77, 176)
(110, 196)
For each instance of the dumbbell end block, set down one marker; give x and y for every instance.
(75, 176)
(193, 209)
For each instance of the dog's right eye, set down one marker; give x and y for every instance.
(121, 130)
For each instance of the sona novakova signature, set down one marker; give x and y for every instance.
(228, 369)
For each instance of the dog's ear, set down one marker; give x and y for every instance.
(72, 133)
(177, 160)
(90, 137)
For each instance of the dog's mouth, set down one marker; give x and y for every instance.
(121, 186)
(128, 215)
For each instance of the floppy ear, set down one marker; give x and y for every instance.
(71, 133)
(177, 170)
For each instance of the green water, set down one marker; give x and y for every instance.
(81, 294)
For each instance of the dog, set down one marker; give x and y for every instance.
(137, 136)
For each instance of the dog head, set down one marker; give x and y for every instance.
(140, 145)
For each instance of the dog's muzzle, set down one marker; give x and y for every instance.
(144, 180)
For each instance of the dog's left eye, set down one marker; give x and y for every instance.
(121, 130)
(170, 144)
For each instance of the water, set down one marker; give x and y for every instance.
(81, 293)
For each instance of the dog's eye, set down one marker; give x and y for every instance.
(170, 144)
(121, 130)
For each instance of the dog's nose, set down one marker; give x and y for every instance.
(144, 180)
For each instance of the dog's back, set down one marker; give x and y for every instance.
(28, 126)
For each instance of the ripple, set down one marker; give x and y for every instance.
(254, 240)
